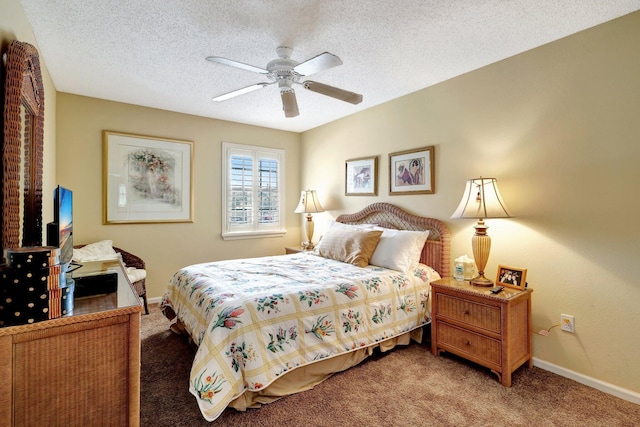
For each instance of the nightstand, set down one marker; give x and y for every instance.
(293, 250)
(493, 330)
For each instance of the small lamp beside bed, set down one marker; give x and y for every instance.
(309, 204)
(481, 199)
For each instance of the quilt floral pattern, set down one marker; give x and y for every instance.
(256, 319)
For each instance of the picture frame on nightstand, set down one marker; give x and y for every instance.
(511, 277)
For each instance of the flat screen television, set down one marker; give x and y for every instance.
(60, 231)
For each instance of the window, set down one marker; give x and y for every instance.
(252, 196)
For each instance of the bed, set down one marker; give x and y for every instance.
(272, 326)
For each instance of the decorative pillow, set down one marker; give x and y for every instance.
(102, 250)
(399, 249)
(334, 226)
(353, 246)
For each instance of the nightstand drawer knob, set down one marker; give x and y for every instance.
(466, 312)
(468, 343)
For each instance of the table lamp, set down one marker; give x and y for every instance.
(481, 199)
(309, 204)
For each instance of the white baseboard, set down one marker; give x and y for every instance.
(155, 300)
(614, 390)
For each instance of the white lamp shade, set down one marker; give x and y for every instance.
(481, 199)
(309, 203)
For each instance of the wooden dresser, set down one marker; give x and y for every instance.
(77, 370)
(493, 330)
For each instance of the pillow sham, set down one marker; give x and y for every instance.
(399, 249)
(351, 246)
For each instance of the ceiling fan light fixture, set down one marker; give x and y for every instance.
(287, 72)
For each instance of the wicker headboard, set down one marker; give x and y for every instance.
(437, 250)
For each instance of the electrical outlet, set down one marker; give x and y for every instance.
(567, 323)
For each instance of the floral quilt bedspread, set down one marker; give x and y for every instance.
(255, 319)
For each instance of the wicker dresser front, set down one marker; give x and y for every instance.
(491, 330)
(77, 370)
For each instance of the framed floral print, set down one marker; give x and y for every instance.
(146, 179)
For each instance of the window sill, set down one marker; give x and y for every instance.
(253, 235)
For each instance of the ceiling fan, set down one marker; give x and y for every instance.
(286, 72)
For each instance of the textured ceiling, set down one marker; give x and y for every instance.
(152, 52)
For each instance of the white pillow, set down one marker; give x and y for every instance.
(399, 249)
(98, 251)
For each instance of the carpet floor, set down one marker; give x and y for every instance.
(405, 387)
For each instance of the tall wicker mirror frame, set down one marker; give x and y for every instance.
(22, 148)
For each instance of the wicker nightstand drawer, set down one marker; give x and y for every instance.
(469, 343)
(469, 312)
(493, 330)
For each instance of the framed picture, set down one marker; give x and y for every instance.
(511, 277)
(146, 179)
(361, 177)
(412, 171)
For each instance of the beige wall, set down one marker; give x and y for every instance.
(558, 126)
(165, 247)
(14, 26)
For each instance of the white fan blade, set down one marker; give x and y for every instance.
(289, 103)
(322, 62)
(237, 92)
(334, 92)
(237, 64)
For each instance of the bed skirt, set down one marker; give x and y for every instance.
(308, 376)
